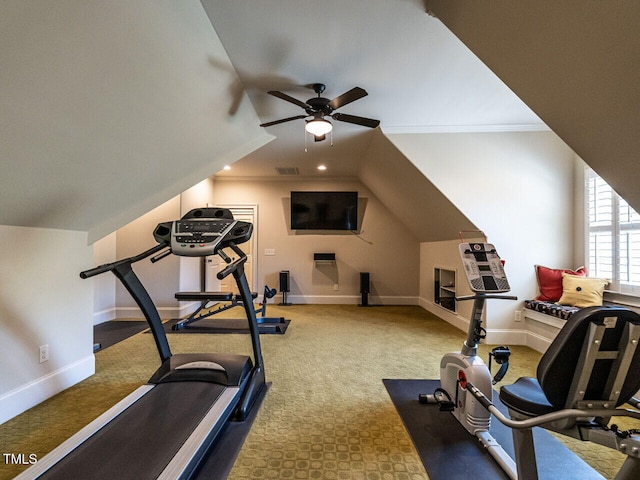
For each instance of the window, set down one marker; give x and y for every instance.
(613, 236)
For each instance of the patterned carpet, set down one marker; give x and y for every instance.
(327, 414)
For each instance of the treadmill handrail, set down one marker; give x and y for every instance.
(123, 270)
(233, 266)
(109, 267)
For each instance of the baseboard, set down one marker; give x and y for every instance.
(537, 342)
(531, 339)
(186, 310)
(528, 338)
(133, 312)
(165, 312)
(104, 316)
(347, 300)
(506, 337)
(23, 398)
(445, 314)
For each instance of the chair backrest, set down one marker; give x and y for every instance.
(593, 358)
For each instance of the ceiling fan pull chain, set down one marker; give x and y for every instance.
(305, 140)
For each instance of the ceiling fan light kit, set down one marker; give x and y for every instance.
(320, 107)
(318, 127)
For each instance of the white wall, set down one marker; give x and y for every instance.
(104, 296)
(410, 193)
(43, 301)
(384, 247)
(161, 279)
(519, 189)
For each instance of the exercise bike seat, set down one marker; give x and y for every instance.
(593, 360)
(526, 397)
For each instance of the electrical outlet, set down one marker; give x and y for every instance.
(44, 353)
(517, 316)
(336, 287)
(269, 252)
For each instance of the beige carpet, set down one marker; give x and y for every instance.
(327, 414)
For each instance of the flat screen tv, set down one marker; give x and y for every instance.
(324, 210)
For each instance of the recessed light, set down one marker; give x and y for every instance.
(226, 167)
(322, 167)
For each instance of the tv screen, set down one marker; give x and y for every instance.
(324, 210)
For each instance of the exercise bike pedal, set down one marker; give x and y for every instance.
(437, 398)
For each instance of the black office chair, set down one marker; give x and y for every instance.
(589, 370)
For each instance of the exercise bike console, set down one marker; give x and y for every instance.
(483, 268)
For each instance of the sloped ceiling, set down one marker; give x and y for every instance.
(108, 109)
(574, 63)
(420, 77)
(413, 199)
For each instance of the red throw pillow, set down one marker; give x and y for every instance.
(550, 282)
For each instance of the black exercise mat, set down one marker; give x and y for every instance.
(226, 325)
(218, 463)
(110, 333)
(449, 452)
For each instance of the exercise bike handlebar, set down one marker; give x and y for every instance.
(108, 267)
(547, 417)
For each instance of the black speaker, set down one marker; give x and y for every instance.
(284, 286)
(365, 289)
(284, 281)
(364, 282)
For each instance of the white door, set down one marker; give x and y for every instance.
(245, 213)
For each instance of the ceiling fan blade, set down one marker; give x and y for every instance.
(365, 122)
(288, 98)
(351, 96)
(276, 122)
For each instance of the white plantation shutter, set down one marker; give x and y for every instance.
(613, 236)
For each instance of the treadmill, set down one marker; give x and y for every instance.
(164, 429)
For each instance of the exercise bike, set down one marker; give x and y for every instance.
(590, 370)
(486, 277)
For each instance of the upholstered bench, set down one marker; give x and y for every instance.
(563, 312)
(562, 293)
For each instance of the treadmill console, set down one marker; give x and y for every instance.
(483, 268)
(203, 232)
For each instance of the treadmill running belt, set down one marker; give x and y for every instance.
(140, 442)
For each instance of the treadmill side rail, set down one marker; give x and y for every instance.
(187, 458)
(62, 450)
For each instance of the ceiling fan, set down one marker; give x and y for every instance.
(320, 107)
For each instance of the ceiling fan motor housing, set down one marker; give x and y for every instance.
(319, 105)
